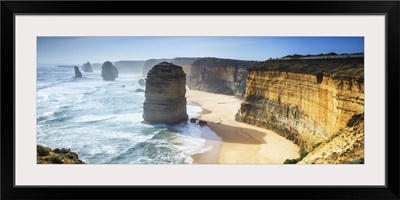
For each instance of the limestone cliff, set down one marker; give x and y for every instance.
(186, 64)
(150, 64)
(129, 66)
(222, 76)
(344, 147)
(165, 95)
(305, 100)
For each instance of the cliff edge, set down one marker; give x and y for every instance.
(305, 100)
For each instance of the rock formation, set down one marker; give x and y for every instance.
(346, 146)
(142, 82)
(129, 66)
(165, 95)
(115, 71)
(186, 64)
(78, 74)
(87, 67)
(150, 64)
(305, 100)
(45, 155)
(222, 76)
(108, 71)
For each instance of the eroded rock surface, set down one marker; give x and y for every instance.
(304, 100)
(221, 76)
(87, 67)
(108, 71)
(78, 73)
(165, 95)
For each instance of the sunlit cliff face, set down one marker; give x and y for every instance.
(305, 107)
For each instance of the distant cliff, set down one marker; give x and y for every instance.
(151, 63)
(129, 66)
(305, 100)
(186, 64)
(217, 75)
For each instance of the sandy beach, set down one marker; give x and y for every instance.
(235, 142)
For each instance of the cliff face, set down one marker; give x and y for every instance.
(186, 64)
(130, 67)
(222, 76)
(165, 95)
(346, 146)
(150, 64)
(304, 100)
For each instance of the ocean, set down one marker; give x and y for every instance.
(102, 121)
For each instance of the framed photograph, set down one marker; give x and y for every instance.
(274, 100)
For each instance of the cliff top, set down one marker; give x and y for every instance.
(336, 68)
(166, 68)
(222, 62)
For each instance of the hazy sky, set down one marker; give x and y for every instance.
(77, 50)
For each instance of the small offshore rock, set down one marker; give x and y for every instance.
(78, 74)
(193, 120)
(139, 90)
(202, 122)
(142, 82)
(87, 67)
(108, 71)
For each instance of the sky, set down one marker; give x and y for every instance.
(77, 50)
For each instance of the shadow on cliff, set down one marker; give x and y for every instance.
(233, 134)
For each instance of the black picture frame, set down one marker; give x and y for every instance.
(11, 8)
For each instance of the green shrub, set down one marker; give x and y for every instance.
(42, 151)
(315, 146)
(55, 159)
(296, 160)
(63, 150)
(291, 161)
(303, 154)
(358, 161)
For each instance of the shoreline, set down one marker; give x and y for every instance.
(238, 143)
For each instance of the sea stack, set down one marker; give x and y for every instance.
(87, 67)
(109, 72)
(165, 95)
(142, 82)
(78, 74)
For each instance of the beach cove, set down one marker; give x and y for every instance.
(233, 142)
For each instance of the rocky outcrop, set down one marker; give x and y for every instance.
(87, 67)
(129, 66)
(222, 76)
(150, 64)
(165, 95)
(142, 82)
(344, 147)
(305, 100)
(109, 72)
(45, 155)
(78, 73)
